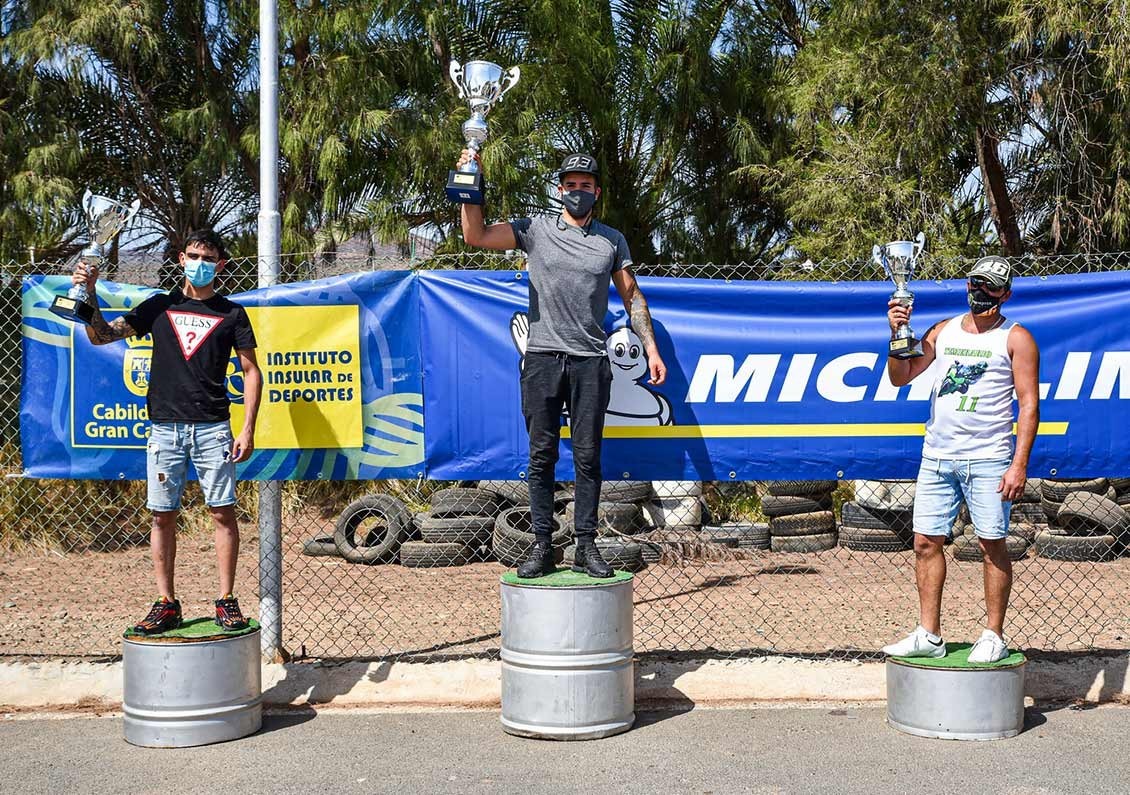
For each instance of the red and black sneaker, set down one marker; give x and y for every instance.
(228, 614)
(163, 616)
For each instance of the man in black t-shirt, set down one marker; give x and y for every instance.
(194, 332)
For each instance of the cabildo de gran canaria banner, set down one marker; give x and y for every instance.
(341, 383)
(394, 375)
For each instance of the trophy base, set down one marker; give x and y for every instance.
(464, 187)
(72, 310)
(905, 348)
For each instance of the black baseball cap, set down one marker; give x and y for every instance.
(995, 270)
(578, 162)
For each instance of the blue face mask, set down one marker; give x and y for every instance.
(198, 272)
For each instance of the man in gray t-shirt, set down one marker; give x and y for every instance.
(570, 258)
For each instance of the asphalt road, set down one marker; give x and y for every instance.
(789, 750)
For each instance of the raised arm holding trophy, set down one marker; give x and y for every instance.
(105, 217)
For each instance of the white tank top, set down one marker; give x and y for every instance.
(971, 404)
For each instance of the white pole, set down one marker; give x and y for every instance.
(270, 492)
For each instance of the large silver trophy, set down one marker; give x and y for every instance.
(483, 85)
(105, 217)
(899, 259)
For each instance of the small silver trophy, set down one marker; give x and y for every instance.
(483, 85)
(899, 258)
(105, 217)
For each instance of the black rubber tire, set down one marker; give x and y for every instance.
(800, 488)
(513, 492)
(637, 491)
(1076, 548)
(812, 543)
(620, 517)
(454, 502)
(873, 544)
(562, 499)
(883, 534)
(380, 544)
(1057, 490)
(752, 535)
(855, 515)
(650, 551)
(773, 506)
(1120, 485)
(422, 555)
(320, 547)
(968, 549)
(515, 524)
(1031, 491)
(471, 531)
(623, 555)
(802, 524)
(715, 534)
(1050, 509)
(1028, 512)
(1085, 514)
(1026, 530)
(1124, 499)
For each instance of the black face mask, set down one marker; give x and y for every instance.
(980, 301)
(578, 203)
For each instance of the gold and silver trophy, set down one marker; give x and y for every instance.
(899, 259)
(482, 84)
(105, 217)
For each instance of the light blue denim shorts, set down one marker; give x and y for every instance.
(172, 445)
(943, 484)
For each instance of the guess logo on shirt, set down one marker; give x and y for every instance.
(192, 329)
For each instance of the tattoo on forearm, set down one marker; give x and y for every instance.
(641, 320)
(100, 332)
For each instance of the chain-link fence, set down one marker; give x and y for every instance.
(409, 569)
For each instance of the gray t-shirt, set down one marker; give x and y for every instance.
(569, 269)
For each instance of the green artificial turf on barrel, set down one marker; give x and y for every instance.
(565, 578)
(957, 656)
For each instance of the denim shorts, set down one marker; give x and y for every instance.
(943, 484)
(172, 445)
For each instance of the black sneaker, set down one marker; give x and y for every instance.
(163, 616)
(587, 559)
(228, 614)
(539, 562)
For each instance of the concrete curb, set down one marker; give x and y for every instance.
(465, 684)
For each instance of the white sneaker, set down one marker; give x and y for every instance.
(917, 644)
(989, 648)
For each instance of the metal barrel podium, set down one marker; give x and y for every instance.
(194, 685)
(953, 699)
(567, 656)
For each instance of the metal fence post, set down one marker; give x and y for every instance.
(270, 493)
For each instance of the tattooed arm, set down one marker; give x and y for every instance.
(636, 306)
(99, 331)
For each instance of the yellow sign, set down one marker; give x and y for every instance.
(310, 357)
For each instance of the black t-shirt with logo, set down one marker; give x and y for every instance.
(192, 344)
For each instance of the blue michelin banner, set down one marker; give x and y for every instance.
(393, 375)
(341, 395)
(767, 380)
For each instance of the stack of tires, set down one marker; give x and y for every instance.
(1085, 520)
(513, 535)
(676, 505)
(880, 518)
(800, 515)
(456, 531)
(739, 535)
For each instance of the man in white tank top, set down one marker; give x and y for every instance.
(977, 361)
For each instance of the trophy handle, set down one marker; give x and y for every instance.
(919, 244)
(133, 208)
(877, 256)
(455, 70)
(87, 201)
(514, 74)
